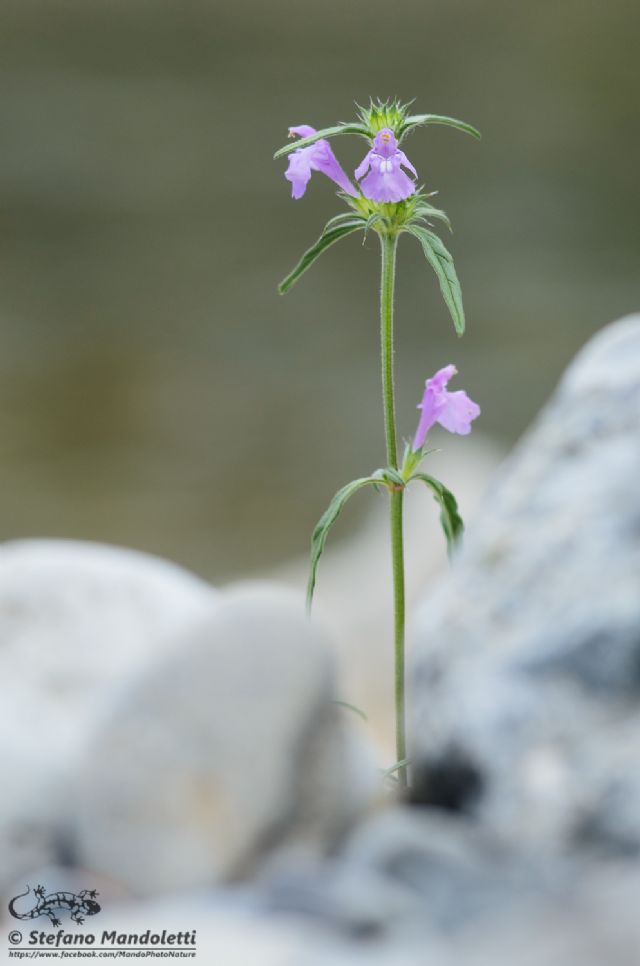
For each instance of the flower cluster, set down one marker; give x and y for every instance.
(381, 174)
(317, 157)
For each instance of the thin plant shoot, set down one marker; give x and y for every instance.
(384, 197)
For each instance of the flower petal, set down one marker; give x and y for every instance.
(299, 171)
(458, 412)
(315, 157)
(404, 161)
(431, 406)
(324, 160)
(302, 130)
(453, 410)
(386, 180)
(385, 143)
(363, 167)
(439, 381)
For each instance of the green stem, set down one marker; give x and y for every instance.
(389, 244)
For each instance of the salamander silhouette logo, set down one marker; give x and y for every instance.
(79, 905)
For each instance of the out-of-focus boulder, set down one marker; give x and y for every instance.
(76, 621)
(525, 679)
(230, 748)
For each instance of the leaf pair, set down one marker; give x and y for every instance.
(450, 519)
(416, 120)
(433, 247)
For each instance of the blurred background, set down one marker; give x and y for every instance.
(155, 390)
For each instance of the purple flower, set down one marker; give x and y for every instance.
(386, 180)
(453, 410)
(316, 157)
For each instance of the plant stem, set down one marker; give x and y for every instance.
(389, 244)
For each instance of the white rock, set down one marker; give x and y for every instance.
(227, 749)
(76, 621)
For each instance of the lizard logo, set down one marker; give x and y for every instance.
(79, 905)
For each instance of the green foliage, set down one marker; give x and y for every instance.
(390, 478)
(383, 114)
(442, 263)
(344, 218)
(424, 210)
(327, 132)
(417, 120)
(380, 114)
(398, 766)
(326, 521)
(333, 231)
(411, 460)
(449, 517)
(352, 707)
(391, 217)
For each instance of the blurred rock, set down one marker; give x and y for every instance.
(412, 888)
(526, 670)
(409, 888)
(403, 872)
(223, 752)
(76, 620)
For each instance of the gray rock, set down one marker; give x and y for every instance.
(409, 888)
(225, 751)
(525, 675)
(76, 620)
(406, 872)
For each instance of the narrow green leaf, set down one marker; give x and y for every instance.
(391, 475)
(352, 707)
(369, 223)
(418, 119)
(411, 459)
(343, 218)
(425, 210)
(442, 264)
(326, 521)
(449, 517)
(390, 772)
(327, 238)
(327, 132)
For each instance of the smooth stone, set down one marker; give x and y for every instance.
(380, 902)
(404, 871)
(76, 621)
(228, 750)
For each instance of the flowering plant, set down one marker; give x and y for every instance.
(389, 202)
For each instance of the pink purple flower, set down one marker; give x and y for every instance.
(453, 410)
(386, 180)
(316, 157)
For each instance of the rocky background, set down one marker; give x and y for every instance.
(179, 748)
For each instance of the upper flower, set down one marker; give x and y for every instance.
(453, 410)
(316, 157)
(386, 180)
